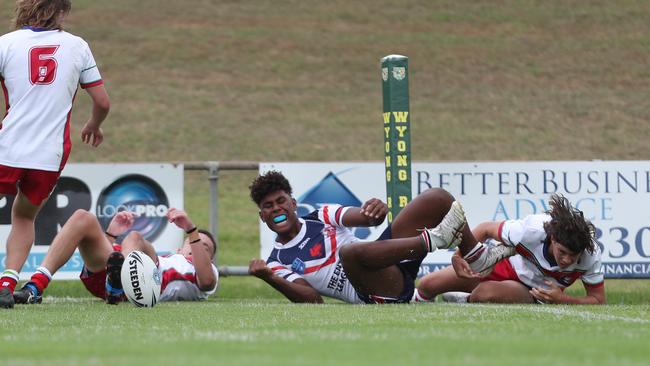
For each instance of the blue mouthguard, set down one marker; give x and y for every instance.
(279, 218)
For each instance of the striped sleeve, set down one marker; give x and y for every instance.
(332, 215)
(90, 75)
(280, 270)
(594, 277)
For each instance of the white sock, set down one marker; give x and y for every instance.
(418, 297)
(44, 271)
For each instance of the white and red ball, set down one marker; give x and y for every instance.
(141, 279)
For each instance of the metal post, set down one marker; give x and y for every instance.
(213, 178)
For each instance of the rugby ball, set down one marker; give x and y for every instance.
(141, 279)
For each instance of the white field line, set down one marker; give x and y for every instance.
(575, 313)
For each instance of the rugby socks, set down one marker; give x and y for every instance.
(427, 242)
(9, 279)
(41, 279)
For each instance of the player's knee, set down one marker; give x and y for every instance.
(134, 237)
(438, 197)
(82, 217)
(483, 295)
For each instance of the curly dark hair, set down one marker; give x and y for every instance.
(569, 227)
(271, 181)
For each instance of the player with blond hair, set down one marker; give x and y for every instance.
(41, 66)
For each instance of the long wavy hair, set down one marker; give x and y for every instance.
(41, 13)
(569, 227)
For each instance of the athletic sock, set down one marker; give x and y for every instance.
(426, 241)
(41, 279)
(9, 279)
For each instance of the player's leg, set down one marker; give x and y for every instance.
(19, 243)
(136, 241)
(83, 231)
(504, 292)
(444, 280)
(372, 267)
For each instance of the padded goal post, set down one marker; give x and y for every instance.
(397, 132)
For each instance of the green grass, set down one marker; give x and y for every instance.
(248, 324)
(295, 80)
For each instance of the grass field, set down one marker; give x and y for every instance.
(247, 324)
(297, 80)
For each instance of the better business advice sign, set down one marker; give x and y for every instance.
(104, 189)
(614, 195)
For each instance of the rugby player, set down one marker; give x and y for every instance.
(187, 275)
(553, 251)
(317, 255)
(41, 67)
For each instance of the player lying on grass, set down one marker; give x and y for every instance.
(317, 255)
(554, 250)
(187, 275)
(41, 67)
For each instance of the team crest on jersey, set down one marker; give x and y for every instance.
(384, 73)
(316, 250)
(298, 266)
(399, 73)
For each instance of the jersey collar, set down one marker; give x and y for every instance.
(36, 29)
(297, 239)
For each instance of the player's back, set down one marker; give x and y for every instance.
(40, 71)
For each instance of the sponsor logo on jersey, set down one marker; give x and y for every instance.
(298, 266)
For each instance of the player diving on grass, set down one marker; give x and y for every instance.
(317, 255)
(186, 276)
(553, 251)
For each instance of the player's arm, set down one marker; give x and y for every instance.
(91, 132)
(372, 213)
(297, 291)
(206, 280)
(486, 230)
(554, 295)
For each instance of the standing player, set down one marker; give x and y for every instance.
(187, 275)
(554, 250)
(318, 255)
(40, 68)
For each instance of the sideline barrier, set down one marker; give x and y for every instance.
(213, 168)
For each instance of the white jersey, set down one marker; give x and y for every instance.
(40, 71)
(534, 264)
(179, 279)
(313, 254)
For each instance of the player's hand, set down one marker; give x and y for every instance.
(259, 269)
(179, 218)
(552, 295)
(92, 134)
(121, 222)
(375, 211)
(461, 267)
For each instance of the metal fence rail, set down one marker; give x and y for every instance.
(213, 168)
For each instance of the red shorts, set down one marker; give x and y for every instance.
(36, 185)
(503, 271)
(96, 282)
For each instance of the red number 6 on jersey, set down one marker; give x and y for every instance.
(42, 66)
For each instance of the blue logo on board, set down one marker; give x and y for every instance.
(139, 194)
(330, 190)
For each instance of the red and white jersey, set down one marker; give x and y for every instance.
(535, 264)
(40, 71)
(313, 254)
(176, 269)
